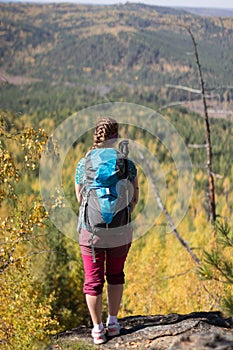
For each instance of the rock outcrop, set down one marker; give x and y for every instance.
(196, 331)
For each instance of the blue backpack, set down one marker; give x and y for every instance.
(107, 191)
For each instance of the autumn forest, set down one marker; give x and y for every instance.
(62, 62)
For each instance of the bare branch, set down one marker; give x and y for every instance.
(181, 87)
(172, 104)
(196, 146)
(164, 210)
(189, 89)
(211, 197)
(218, 176)
(178, 274)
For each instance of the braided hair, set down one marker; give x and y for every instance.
(106, 129)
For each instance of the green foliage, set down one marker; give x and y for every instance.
(227, 302)
(218, 264)
(25, 312)
(21, 222)
(62, 274)
(225, 237)
(42, 274)
(58, 57)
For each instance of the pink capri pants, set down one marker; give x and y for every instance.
(109, 262)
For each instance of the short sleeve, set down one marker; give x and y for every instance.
(132, 170)
(80, 172)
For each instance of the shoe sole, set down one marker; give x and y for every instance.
(113, 333)
(100, 341)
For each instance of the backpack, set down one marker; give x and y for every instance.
(107, 191)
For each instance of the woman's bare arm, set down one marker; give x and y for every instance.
(136, 193)
(78, 188)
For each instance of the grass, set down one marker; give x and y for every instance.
(71, 344)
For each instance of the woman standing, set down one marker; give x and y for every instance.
(107, 261)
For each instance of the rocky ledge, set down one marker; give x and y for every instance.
(196, 331)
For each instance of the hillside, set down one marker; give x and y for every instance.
(57, 59)
(210, 12)
(114, 51)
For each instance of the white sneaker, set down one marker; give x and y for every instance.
(98, 336)
(113, 329)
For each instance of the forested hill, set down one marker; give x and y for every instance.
(132, 47)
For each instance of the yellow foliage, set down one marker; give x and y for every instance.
(161, 276)
(26, 317)
(200, 221)
(25, 311)
(199, 175)
(226, 212)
